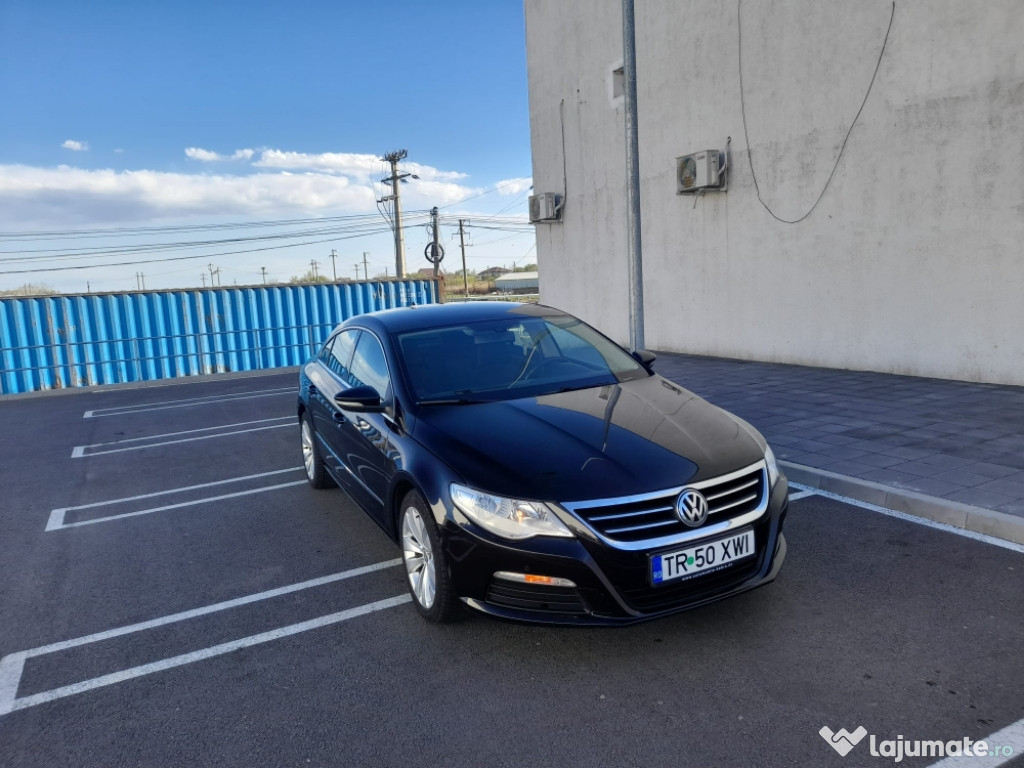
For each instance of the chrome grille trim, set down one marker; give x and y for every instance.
(625, 515)
(712, 497)
(745, 500)
(640, 527)
(580, 510)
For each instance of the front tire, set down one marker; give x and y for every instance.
(316, 473)
(426, 569)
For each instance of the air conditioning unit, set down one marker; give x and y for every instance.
(544, 207)
(700, 170)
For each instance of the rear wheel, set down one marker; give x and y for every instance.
(316, 474)
(430, 585)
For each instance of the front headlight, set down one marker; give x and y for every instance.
(509, 518)
(773, 467)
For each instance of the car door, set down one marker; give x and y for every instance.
(362, 438)
(327, 377)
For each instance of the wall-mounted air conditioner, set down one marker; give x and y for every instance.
(544, 207)
(698, 171)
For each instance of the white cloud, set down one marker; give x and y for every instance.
(268, 183)
(55, 197)
(361, 166)
(203, 155)
(345, 163)
(49, 196)
(514, 186)
(206, 156)
(76, 146)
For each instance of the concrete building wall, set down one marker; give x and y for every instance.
(912, 262)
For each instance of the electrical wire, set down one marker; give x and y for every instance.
(196, 256)
(746, 136)
(140, 231)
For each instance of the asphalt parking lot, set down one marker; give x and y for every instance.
(173, 594)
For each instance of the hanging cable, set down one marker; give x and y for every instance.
(746, 135)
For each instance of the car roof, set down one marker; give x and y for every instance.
(455, 313)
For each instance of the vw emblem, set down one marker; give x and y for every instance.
(692, 507)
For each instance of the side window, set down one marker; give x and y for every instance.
(369, 365)
(324, 355)
(341, 355)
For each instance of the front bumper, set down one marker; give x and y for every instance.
(612, 585)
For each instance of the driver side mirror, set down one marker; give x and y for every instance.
(645, 357)
(362, 399)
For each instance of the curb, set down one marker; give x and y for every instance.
(168, 382)
(976, 519)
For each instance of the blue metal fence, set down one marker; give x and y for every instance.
(51, 342)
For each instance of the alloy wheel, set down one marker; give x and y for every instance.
(419, 557)
(308, 457)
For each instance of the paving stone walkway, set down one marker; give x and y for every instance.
(948, 439)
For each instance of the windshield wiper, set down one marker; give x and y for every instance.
(590, 385)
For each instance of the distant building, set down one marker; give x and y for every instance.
(518, 282)
(491, 273)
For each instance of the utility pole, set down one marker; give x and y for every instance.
(394, 178)
(313, 263)
(212, 272)
(434, 250)
(88, 288)
(334, 264)
(264, 271)
(357, 270)
(462, 245)
(366, 266)
(143, 276)
(203, 275)
(633, 240)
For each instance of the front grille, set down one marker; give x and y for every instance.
(653, 516)
(530, 597)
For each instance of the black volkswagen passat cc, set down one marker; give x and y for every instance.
(532, 469)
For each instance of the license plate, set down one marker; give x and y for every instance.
(702, 558)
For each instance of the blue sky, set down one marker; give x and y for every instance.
(151, 115)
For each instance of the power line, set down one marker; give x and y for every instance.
(90, 251)
(139, 231)
(178, 258)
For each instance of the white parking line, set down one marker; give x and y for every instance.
(12, 665)
(56, 519)
(79, 451)
(183, 403)
(804, 492)
(55, 524)
(800, 495)
(1011, 736)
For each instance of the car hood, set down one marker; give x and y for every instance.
(600, 442)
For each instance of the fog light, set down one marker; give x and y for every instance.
(532, 578)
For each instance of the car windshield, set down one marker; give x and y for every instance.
(511, 358)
